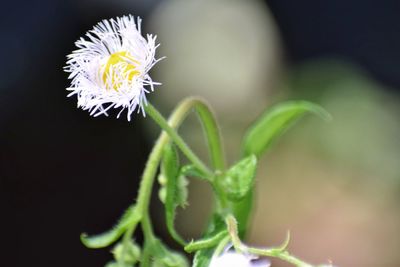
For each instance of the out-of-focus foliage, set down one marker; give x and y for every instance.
(365, 133)
(336, 183)
(274, 122)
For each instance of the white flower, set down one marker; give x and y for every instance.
(231, 258)
(110, 67)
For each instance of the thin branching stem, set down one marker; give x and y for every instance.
(216, 152)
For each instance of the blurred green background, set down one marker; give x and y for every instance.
(335, 186)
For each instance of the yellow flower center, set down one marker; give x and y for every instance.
(120, 67)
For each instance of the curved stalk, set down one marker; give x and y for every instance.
(210, 129)
(150, 171)
(212, 132)
(285, 256)
(280, 252)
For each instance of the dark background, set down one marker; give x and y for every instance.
(62, 172)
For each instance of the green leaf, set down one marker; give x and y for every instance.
(242, 211)
(176, 196)
(274, 122)
(170, 162)
(164, 257)
(130, 217)
(203, 257)
(239, 179)
(112, 264)
(216, 225)
(175, 189)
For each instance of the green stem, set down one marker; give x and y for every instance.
(173, 123)
(149, 239)
(213, 137)
(150, 171)
(212, 131)
(280, 255)
(145, 257)
(159, 119)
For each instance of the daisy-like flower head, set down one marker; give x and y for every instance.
(110, 67)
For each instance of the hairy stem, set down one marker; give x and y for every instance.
(280, 252)
(159, 119)
(150, 171)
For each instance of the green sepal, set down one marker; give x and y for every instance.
(239, 179)
(274, 122)
(130, 218)
(127, 253)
